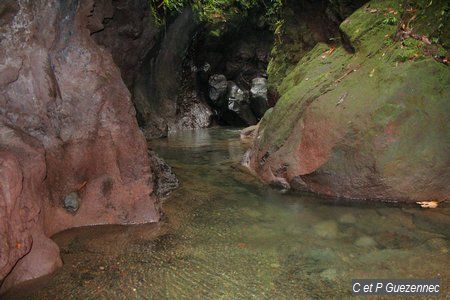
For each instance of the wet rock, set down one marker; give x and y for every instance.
(204, 70)
(152, 63)
(231, 102)
(395, 240)
(298, 184)
(158, 86)
(365, 242)
(25, 251)
(258, 97)
(431, 220)
(326, 229)
(249, 133)
(348, 146)
(195, 115)
(218, 86)
(64, 135)
(127, 31)
(164, 179)
(192, 109)
(280, 184)
(239, 103)
(72, 202)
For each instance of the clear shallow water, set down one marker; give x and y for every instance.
(226, 236)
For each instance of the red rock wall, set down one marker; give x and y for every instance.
(66, 125)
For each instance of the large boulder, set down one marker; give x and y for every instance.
(67, 127)
(24, 247)
(218, 86)
(258, 96)
(373, 124)
(239, 106)
(232, 104)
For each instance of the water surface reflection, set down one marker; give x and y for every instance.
(227, 236)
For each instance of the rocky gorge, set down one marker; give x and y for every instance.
(345, 99)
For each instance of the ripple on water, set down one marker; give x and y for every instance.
(228, 236)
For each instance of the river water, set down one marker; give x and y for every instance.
(227, 236)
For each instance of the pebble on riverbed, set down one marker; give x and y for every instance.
(326, 229)
(347, 218)
(365, 242)
(329, 275)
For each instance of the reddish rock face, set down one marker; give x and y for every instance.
(67, 125)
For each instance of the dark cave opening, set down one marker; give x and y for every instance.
(187, 74)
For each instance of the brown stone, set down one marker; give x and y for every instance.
(66, 125)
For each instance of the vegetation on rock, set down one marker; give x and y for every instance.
(345, 120)
(218, 11)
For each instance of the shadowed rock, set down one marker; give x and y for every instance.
(258, 97)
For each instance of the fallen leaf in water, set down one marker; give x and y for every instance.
(428, 204)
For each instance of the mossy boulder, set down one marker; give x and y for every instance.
(373, 124)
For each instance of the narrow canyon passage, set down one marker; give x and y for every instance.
(222, 149)
(225, 235)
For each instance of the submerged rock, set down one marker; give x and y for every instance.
(326, 229)
(329, 275)
(347, 218)
(365, 242)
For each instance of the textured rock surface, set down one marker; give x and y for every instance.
(164, 180)
(258, 96)
(231, 103)
(237, 51)
(158, 87)
(368, 125)
(67, 125)
(239, 111)
(128, 32)
(305, 23)
(152, 58)
(218, 86)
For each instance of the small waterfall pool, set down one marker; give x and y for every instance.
(227, 236)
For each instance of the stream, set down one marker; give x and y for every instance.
(225, 235)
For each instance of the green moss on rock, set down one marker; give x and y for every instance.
(373, 124)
